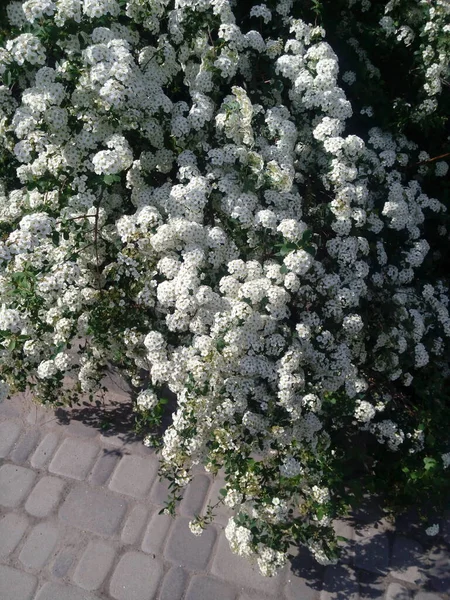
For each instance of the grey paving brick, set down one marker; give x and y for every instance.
(63, 563)
(187, 549)
(16, 585)
(345, 529)
(206, 588)
(134, 476)
(438, 569)
(407, 560)
(369, 511)
(59, 591)
(445, 527)
(256, 596)
(9, 434)
(80, 429)
(159, 492)
(195, 495)
(174, 584)
(45, 496)
(427, 596)
(372, 550)
(9, 410)
(93, 510)
(39, 545)
(15, 483)
(12, 528)
(74, 459)
(25, 446)
(136, 577)
(233, 568)
(45, 450)
(396, 591)
(340, 583)
(39, 415)
(118, 440)
(304, 577)
(134, 524)
(94, 565)
(156, 533)
(371, 585)
(104, 466)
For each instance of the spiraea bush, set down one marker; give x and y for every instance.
(248, 202)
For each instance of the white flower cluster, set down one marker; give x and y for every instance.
(168, 202)
(147, 400)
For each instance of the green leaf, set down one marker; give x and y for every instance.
(429, 463)
(12, 344)
(307, 236)
(222, 492)
(110, 179)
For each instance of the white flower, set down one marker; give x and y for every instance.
(432, 530)
(195, 528)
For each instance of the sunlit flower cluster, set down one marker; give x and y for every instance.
(164, 207)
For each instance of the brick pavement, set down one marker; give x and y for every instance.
(79, 521)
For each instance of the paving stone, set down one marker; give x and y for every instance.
(45, 450)
(62, 564)
(118, 440)
(396, 591)
(256, 596)
(39, 545)
(232, 567)
(45, 496)
(9, 434)
(304, 578)
(439, 569)
(16, 585)
(93, 510)
(15, 483)
(368, 512)
(156, 533)
(40, 415)
(94, 565)
(187, 549)
(12, 528)
(136, 577)
(195, 496)
(445, 527)
(9, 410)
(25, 446)
(104, 466)
(59, 591)
(371, 585)
(79, 429)
(426, 596)
(134, 476)
(340, 583)
(74, 459)
(407, 560)
(346, 530)
(134, 524)
(206, 588)
(372, 550)
(174, 584)
(159, 492)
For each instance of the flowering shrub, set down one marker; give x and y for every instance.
(248, 201)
